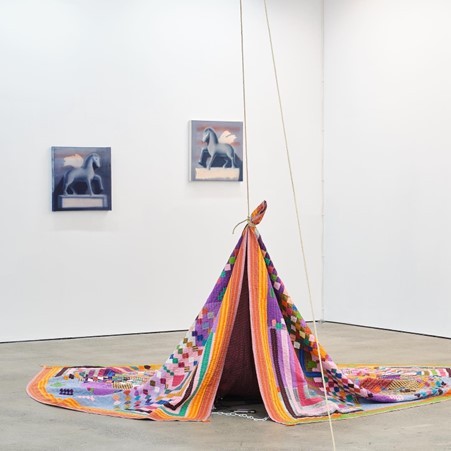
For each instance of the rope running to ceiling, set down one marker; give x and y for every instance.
(293, 187)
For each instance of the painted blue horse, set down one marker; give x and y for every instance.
(217, 149)
(85, 173)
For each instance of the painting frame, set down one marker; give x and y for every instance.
(216, 151)
(81, 178)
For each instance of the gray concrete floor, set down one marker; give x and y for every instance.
(28, 425)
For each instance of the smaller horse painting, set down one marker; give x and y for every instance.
(81, 178)
(216, 151)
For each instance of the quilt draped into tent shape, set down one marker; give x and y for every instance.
(248, 340)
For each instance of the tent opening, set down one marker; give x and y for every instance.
(239, 378)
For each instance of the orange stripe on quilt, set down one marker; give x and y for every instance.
(258, 291)
(36, 389)
(201, 406)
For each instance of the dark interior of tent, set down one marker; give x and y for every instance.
(239, 383)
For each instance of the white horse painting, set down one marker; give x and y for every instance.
(82, 171)
(219, 147)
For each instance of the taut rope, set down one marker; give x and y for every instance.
(246, 163)
(301, 240)
(295, 201)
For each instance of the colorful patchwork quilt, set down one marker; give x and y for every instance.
(250, 341)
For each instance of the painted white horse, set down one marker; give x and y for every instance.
(216, 148)
(85, 173)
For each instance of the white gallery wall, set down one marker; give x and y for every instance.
(388, 164)
(130, 75)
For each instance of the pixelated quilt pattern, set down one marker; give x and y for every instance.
(285, 352)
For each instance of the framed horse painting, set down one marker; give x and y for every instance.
(216, 151)
(81, 178)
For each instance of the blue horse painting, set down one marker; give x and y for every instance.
(81, 178)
